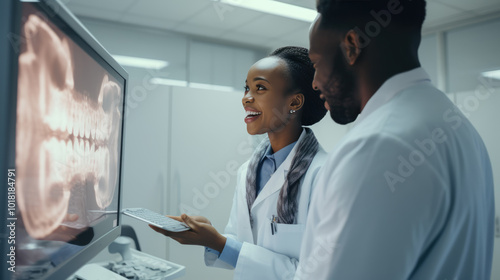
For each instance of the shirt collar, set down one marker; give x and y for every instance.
(391, 87)
(280, 156)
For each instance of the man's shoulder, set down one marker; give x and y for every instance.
(415, 113)
(418, 121)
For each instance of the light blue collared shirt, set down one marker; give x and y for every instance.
(268, 165)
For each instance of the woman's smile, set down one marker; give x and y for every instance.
(252, 115)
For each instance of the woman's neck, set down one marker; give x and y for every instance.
(284, 137)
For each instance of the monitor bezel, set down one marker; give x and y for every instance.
(58, 12)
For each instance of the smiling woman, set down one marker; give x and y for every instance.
(279, 88)
(271, 199)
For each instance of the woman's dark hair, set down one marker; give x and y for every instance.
(301, 72)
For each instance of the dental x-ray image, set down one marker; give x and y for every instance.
(68, 138)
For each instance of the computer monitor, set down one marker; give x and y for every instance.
(63, 145)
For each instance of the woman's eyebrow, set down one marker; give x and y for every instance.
(260, 79)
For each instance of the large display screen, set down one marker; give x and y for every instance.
(68, 144)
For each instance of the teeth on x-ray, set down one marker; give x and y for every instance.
(63, 138)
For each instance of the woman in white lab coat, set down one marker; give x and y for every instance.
(263, 236)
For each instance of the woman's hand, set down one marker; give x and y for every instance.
(201, 233)
(199, 219)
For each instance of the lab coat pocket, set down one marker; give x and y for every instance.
(287, 239)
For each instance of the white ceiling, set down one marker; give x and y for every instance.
(219, 21)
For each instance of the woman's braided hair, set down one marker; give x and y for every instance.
(301, 72)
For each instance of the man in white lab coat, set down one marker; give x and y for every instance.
(408, 193)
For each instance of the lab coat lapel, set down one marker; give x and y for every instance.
(244, 227)
(278, 178)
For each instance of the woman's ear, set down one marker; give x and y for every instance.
(297, 101)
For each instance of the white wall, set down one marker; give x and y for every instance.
(470, 51)
(216, 64)
(146, 164)
(209, 142)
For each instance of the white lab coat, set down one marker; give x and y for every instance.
(263, 255)
(407, 194)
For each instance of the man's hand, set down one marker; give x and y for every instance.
(201, 233)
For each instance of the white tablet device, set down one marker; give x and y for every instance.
(156, 219)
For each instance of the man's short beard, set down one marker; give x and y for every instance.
(345, 108)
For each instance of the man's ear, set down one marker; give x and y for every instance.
(297, 101)
(351, 47)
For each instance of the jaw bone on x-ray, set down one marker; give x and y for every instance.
(67, 135)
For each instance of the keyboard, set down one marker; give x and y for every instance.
(155, 219)
(146, 267)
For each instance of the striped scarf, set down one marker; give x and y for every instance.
(287, 202)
